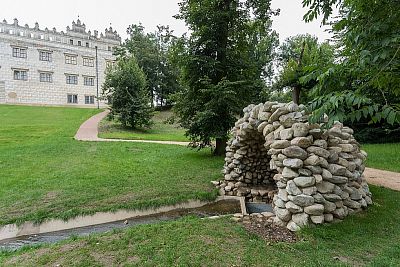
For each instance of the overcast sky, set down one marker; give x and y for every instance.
(98, 14)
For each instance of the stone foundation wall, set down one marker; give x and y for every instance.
(310, 174)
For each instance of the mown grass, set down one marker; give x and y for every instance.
(160, 131)
(366, 239)
(383, 156)
(46, 174)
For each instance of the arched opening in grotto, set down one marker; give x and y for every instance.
(247, 171)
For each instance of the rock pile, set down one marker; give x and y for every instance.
(311, 175)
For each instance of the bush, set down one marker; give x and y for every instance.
(125, 87)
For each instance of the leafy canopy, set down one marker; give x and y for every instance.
(125, 86)
(223, 63)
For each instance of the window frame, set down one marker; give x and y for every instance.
(71, 59)
(72, 98)
(47, 58)
(19, 52)
(48, 77)
(21, 76)
(89, 99)
(86, 80)
(88, 62)
(71, 81)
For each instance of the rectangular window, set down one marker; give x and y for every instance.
(45, 56)
(19, 52)
(89, 62)
(72, 79)
(79, 43)
(72, 99)
(46, 77)
(110, 64)
(21, 75)
(89, 99)
(69, 59)
(71, 42)
(88, 81)
(87, 44)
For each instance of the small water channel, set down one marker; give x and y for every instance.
(221, 207)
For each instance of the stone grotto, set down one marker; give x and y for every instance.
(309, 174)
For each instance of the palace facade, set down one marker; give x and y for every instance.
(47, 67)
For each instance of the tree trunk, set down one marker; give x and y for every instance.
(296, 89)
(296, 95)
(220, 147)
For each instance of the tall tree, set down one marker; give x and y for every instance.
(301, 60)
(226, 57)
(151, 51)
(125, 86)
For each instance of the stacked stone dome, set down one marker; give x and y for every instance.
(311, 175)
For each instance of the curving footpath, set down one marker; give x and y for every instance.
(88, 131)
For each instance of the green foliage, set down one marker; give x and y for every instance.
(125, 86)
(318, 7)
(152, 51)
(351, 106)
(223, 64)
(302, 60)
(367, 40)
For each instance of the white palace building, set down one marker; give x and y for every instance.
(46, 67)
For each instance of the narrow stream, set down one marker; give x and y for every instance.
(221, 207)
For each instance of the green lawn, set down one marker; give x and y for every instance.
(46, 174)
(367, 239)
(161, 130)
(383, 156)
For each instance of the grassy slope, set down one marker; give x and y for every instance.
(45, 173)
(383, 156)
(161, 130)
(370, 238)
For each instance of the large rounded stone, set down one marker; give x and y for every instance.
(300, 129)
(289, 173)
(292, 189)
(292, 226)
(279, 112)
(347, 148)
(329, 207)
(337, 179)
(312, 160)
(304, 181)
(339, 213)
(302, 142)
(316, 209)
(286, 134)
(295, 152)
(336, 169)
(319, 219)
(301, 219)
(293, 163)
(302, 200)
(293, 208)
(319, 151)
(283, 214)
(325, 187)
(352, 204)
(280, 144)
(332, 197)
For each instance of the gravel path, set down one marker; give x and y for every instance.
(89, 132)
(383, 178)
